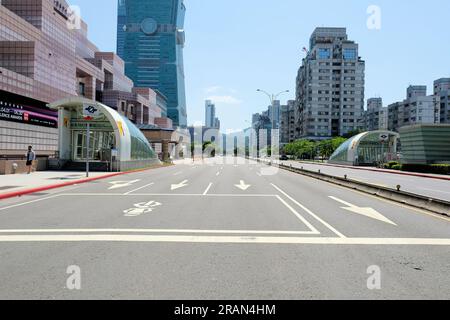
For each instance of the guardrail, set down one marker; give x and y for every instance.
(434, 205)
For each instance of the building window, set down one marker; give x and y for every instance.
(349, 54)
(81, 89)
(324, 53)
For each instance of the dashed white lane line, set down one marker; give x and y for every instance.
(207, 189)
(147, 185)
(310, 212)
(225, 239)
(218, 173)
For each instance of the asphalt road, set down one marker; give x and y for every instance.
(219, 231)
(434, 188)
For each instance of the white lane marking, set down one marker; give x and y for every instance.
(28, 202)
(368, 212)
(242, 185)
(147, 185)
(141, 208)
(225, 239)
(178, 173)
(299, 216)
(218, 173)
(76, 231)
(122, 184)
(259, 174)
(179, 185)
(207, 189)
(310, 212)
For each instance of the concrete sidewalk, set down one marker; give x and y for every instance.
(18, 182)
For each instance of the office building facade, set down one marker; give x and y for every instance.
(150, 39)
(330, 86)
(211, 121)
(210, 113)
(274, 114)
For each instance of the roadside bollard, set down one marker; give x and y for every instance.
(399, 187)
(345, 176)
(318, 170)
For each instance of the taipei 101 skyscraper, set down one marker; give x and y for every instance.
(150, 39)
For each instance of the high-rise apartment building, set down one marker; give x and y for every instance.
(417, 108)
(287, 123)
(375, 117)
(442, 94)
(150, 39)
(330, 86)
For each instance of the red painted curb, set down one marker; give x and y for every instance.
(64, 184)
(382, 171)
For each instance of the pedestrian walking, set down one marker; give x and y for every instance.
(31, 156)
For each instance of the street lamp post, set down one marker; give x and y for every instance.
(272, 98)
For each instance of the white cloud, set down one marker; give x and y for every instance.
(213, 89)
(225, 99)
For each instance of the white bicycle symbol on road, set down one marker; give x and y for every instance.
(141, 208)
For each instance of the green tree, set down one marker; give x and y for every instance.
(327, 147)
(301, 149)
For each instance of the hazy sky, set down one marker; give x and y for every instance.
(234, 47)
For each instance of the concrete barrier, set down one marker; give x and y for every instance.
(434, 205)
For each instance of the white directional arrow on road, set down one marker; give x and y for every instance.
(121, 184)
(180, 185)
(368, 212)
(243, 186)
